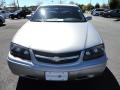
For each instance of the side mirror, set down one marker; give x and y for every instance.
(29, 17)
(89, 18)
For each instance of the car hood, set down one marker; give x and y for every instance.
(57, 37)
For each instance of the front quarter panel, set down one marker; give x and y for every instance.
(93, 37)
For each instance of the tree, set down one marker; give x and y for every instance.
(97, 5)
(1, 3)
(32, 8)
(89, 7)
(13, 5)
(114, 4)
(104, 6)
(71, 2)
(82, 7)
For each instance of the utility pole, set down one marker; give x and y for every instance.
(4, 4)
(90, 4)
(60, 1)
(18, 3)
(109, 3)
(90, 1)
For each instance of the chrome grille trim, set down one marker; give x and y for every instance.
(51, 58)
(57, 58)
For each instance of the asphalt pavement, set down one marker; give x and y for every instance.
(109, 30)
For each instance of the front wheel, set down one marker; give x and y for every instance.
(1, 23)
(12, 18)
(108, 16)
(19, 17)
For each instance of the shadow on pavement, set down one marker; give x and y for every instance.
(117, 19)
(2, 25)
(105, 82)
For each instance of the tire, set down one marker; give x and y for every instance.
(108, 16)
(18, 17)
(1, 23)
(12, 18)
(24, 17)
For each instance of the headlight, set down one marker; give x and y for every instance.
(94, 52)
(19, 51)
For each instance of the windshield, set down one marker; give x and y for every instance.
(58, 14)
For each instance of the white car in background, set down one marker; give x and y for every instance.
(57, 44)
(97, 12)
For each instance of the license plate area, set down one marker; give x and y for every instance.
(56, 76)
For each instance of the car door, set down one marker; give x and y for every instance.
(7, 14)
(117, 13)
(3, 13)
(113, 13)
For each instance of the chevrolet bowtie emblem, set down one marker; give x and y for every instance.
(56, 59)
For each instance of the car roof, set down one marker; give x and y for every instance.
(73, 5)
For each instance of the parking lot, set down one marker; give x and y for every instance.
(110, 31)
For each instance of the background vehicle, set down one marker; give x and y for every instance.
(2, 20)
(5, 13)
(97, 12)
(19, 14)
(92, 11)
(106, 10)
(112, 13)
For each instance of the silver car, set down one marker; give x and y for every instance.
(5, 13)
(57, 44)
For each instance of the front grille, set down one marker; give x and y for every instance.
(57, 58)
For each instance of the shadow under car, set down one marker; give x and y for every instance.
(106, 81)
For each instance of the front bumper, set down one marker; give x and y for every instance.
(79, 71)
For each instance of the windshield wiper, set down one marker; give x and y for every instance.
(58, 20)
(54, 20)
(48, 20)
(73, 20)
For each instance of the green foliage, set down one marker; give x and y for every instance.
(105, 6)
(97, 5)
(86, 7)
(114, 4)
(81, 7)
(89, 7)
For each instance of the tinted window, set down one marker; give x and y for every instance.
(99, 9)
(59, 13)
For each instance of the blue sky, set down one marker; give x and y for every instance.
(34, 2)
